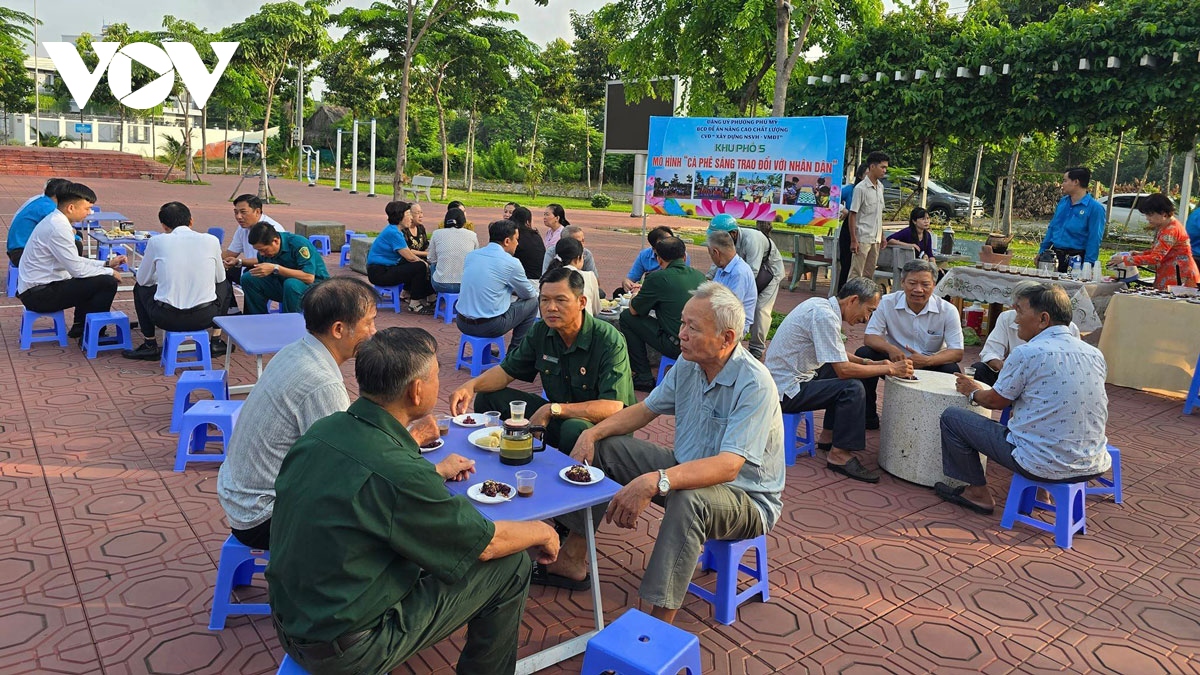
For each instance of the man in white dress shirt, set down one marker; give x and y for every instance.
(912, 324)
(1055, 385)
(1001, 341)
(53, 276)
(179, 283)
(247, 211)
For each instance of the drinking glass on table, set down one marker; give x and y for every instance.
(493, 418)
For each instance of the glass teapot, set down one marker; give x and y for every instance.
(516, 441)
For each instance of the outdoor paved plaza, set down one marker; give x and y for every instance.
(108, 557)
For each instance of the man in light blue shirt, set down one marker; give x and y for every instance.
(1193, 232)
(645, 262)
(722, 480)
(29, 215)
(733, 273)
(1078, 223)
(491, 277)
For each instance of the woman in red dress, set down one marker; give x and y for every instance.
(1171, 254)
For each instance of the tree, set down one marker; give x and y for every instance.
(350, 77)
(555, 82)
(273, 40)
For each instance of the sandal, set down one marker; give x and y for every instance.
(854, 469)
(542, 577)
(955, 496)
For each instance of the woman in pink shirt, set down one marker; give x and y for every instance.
(555, 219)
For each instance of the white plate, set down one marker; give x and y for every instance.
(480, 420)
(597, 475)
(474, 493)
(610, 312)
(440, 443)
(478, 435)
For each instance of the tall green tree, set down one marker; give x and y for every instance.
(16, 89)
(555, 82)
(351, 77)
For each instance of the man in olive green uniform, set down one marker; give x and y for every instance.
(664, 292)
(372, 560)
(582, 361)
(287, 265)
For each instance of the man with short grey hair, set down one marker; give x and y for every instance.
(912, 324)
(808, 360)
(724, 477)
(1055, 385)
(732, 272)
(575, 232)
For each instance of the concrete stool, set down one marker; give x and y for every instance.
(726, 558)
(665, 363)
(481, 353)
(794, 445)
(13, 275)
(1069, 507)
(1193, 397)
(237, 566)
(193, 431)
(289, 667)
(170, 355)
(639, 644)
(321, 241)
(94, 323)
(345, 259)
(444, 306)
(29, 334)
(389, 296)
(1110, 487)
(214, 381)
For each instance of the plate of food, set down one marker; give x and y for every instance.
(491, 492)
(470, 420)
(486, 439)
(430, 447)
(581, 474)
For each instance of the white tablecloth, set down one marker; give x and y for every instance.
(972, 283)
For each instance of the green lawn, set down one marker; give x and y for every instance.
(492, 199)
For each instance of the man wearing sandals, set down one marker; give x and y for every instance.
(1055, 385)
(722, 480)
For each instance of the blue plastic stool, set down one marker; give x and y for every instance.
(274, 307)
(170, 353)
(726, 558)
(444, 306)
(189, 381)
(193, 431)
(1110, 487)
(481, 353)
(345, 259)
(1069, 507)
(349, 235)
(665, 363)
(92, 325)
(1193, 397)
(389, 296)
(237, 566)
(102, 251)
(13, 275)
(794, 445)
(289, 667)
(219, 233)
(321, 241)
(29, 334)
(639, 644)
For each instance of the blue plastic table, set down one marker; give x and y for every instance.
(92, 221)
(259, 334)
(552, 496)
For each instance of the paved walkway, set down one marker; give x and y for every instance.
(108, 557)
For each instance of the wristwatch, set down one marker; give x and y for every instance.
(555, 410)
(276, 270)
(971, 397)
(664, 483)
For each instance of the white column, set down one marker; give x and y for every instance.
(337, 164)
(639, 185)
(371, 189)
(354, 161)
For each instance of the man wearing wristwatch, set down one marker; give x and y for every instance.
(287, 265)
(722, 480)
(1055, 385)
(582, 361)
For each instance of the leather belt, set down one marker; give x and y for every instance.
(325, 650)
(474, 322)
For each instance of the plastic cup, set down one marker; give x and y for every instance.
(517, 410)
(493, 418)
(443, 424)
(525, 481)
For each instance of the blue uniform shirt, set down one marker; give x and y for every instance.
(644, 263)
(26, 219)
(1193, 231)
(383, 249)
(1079, 226)
(491, 276)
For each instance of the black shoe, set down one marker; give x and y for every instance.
(854, 469)
(643, 385)
(873, 422)
(76, 331)
(217, 346)
(149, 351)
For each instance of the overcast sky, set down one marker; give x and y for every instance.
(71, 17)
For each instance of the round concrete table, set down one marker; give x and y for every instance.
(910, 438)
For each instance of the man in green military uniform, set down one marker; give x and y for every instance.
(372, 560)
(582, 361)
(287, 266)
(664, 292)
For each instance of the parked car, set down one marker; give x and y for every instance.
(942, 202)
(249, 151)
(1124, 205)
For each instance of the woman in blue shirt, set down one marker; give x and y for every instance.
(391, 261)
(916, 236)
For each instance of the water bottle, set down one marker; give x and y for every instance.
(1076, 266)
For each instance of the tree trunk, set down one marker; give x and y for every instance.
(974, 186)
(189, 171)
(473, 132)
(1170, 170)
(121, 145)
(402, 137)
(786, 55)
(441, 110)
(225, 153)
(926, 157)
(1141, 184)
(750, 91)
(587, 144)
(1006, 226)
(264, 187)
(533, 142)
(204, 140)
(1113, 187)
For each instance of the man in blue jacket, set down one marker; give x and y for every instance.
(29, 215)
(1078, 223)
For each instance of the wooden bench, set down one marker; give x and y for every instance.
(415, 186)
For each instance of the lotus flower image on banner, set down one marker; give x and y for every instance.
(779, 169)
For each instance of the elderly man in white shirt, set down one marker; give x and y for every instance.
(1055, 385)
(808, 361)
(1001, 341)
(912, 324)
(179, 283)
(53, 276)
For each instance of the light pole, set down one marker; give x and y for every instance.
(37, 101)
